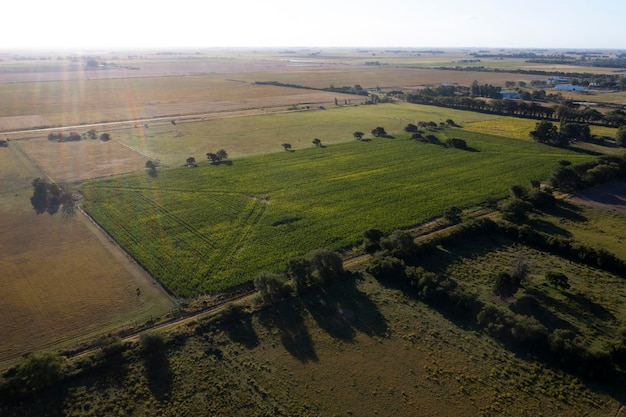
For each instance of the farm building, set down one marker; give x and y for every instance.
(569, 87)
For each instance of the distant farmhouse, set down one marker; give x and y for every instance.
(512, 95)
(569, 87)
(556, 80)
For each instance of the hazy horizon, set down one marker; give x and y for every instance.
(533, 24)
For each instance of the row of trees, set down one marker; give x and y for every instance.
(442, 292)
(73, 136)
(565, 111)
(319, 268)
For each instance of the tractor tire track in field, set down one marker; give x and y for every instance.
(246, 291)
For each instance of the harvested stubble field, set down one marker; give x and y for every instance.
(70, 103)
(59, 282)
(207, 228)
(77, 161)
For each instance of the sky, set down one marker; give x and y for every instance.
(48, 24)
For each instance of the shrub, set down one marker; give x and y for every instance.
(558, 279)
(387, 268)
(39, 370)
(327, 265)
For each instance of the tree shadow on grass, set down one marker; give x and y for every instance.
(158, 373)
(294, 336)
(550, 228)
(568, 210)
(240, 330)
(530, 306)
(342, 311)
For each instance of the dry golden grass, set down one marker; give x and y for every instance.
(74, 102)
(75, 161)
(60, 281)
(61, 285)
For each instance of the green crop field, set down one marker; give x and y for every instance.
(208, 228)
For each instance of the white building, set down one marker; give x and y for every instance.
(569, 87)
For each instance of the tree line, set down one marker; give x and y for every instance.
(471, 98)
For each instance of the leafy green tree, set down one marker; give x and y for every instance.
(300, 271)
(317, 142)
(546, 132)
(565, 178)
(213, 157)
(105, 137)
(371, 243)
(400, 244)
(387, 268)
(39, 370)
(39, 200)
(327, 264)
(456, 143)
(270, 286)
(191, 162)
(358, 135)
(411, 128)
(379, 131)
(286, 146)
(515, 210)
(222, 155)
(505, 285)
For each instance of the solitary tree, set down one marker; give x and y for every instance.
(379, 131)
(317, 142)
(287, 146)
(152, 166)
(221, 155)
(191, 162)
(358, 135)
(92, 134)
(411, 128)
(105, 137)
(213, 157)
(505, 285)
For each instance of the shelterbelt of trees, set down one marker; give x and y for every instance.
(487, 98)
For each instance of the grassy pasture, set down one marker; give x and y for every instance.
(358, 348)
(519, 128)
(211, 227)
(259, 134)
(591, 307)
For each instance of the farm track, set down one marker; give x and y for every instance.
(23, 134)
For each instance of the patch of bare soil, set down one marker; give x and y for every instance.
(610, 196)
